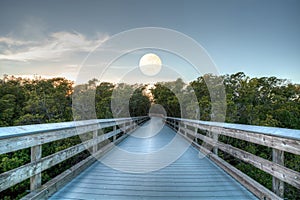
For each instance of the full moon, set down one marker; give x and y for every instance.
(150, 64)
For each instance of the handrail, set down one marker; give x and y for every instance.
(14, 131)
(266, 130)
(33, 136)
(279, 139)
(20, 137)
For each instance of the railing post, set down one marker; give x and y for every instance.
(115, 136)
(215, 137)
(95, 136)
(36, 155)
(172, 122)
(185, 129)
(196, 132)
(277, 184)
(131, 125)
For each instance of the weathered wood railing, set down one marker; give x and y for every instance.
(34, 136)
(279, 139)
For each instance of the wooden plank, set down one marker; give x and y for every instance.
(187, 178)
(252, 185)
(285, 174)
(256, 188)
(14, 176)
(95, 146)
(61, 180)
(18, 142)
(277, 184)
(17, 175)
(293, 134)
(22, 142)
(115, 136)
(276, 170)
(17, 131)
(33, 170)
(215, 135)
(36, 155)
(280, 143)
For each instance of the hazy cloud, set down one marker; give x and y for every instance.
(13, 42)
(54, 47)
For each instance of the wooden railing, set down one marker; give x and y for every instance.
(279, 139)
(34, 136)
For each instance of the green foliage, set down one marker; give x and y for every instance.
(266, 101)
(108, 100)
(139, 103)
(10, 161)
(165, 97)
(24, 101)
(103, 100)
(177, 98)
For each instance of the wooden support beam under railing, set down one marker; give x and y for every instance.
(33, 136)
(277, 184)
(278, 139)
(36, 155)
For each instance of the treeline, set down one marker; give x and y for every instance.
(266, 101)
(27, 101)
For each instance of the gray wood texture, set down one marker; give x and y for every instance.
(281, 141)
(34, 140)
(188, 177)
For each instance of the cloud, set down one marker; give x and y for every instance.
(56, 46)
(13, 42)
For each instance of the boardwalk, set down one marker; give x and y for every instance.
(189, 177)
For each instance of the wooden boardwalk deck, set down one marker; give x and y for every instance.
(189, 177)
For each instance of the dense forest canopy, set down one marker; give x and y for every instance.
(265, 101)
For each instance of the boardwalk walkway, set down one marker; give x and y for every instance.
(189, 177)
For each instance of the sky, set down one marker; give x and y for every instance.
(55, 38)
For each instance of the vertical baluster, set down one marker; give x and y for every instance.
(278, 185)
(215, 136)
(95, 136)
(115, 136)
(185, 128)
(36, 155)
(196, 132)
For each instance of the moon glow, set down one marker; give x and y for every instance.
(150, 64)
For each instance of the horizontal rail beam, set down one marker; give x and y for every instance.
(16, 131)
(280, 140)
(256, 188)
(17, 175)
(266, 130)
(22, 142)
(280, 143)
(61, 180)
(283, 173)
